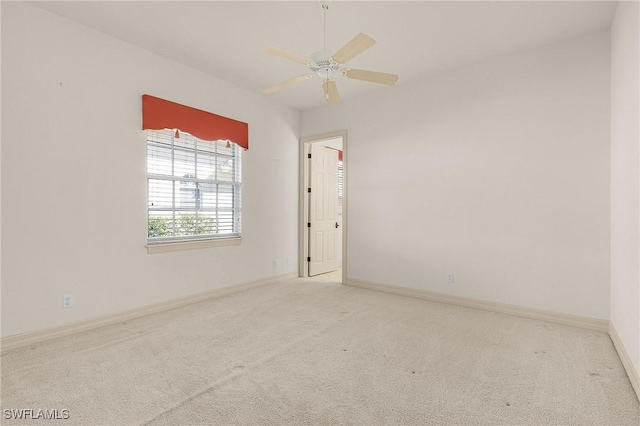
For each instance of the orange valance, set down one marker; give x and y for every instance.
(160, 114)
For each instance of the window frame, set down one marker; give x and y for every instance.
(158, 139)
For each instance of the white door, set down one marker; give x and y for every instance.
(323, 209)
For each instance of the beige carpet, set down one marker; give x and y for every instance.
(316, 352)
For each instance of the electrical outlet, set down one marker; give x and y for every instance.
(287, 261)
(450, 278)
(67, 301)
(275, 264)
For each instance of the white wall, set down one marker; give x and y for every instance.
(74, 184)
(625, 177)
(497, 172)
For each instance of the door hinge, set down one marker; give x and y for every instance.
(308, 224)
(308, 259)
(308, 189)
(308, 155)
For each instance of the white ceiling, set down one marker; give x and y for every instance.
(415, 38)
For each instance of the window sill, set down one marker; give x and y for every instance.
(165, 247)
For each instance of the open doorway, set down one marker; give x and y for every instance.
(323, 205)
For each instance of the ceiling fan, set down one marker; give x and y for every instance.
(328, 66)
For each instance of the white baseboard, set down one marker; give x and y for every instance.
(503, 308)
(17, 341)
(634, 378)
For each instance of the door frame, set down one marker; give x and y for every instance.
(303, 234)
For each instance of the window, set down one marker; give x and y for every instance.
(193, 187)
(340, 180)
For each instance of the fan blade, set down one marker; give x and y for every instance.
(359, 44)
(288, 83)
(330, 91)
(285, 54)
(372, 76)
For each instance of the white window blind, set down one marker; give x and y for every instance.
(193, 187)
(340, 180)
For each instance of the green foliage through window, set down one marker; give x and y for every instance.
(159, 226)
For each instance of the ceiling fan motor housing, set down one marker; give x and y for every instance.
(323, 64)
